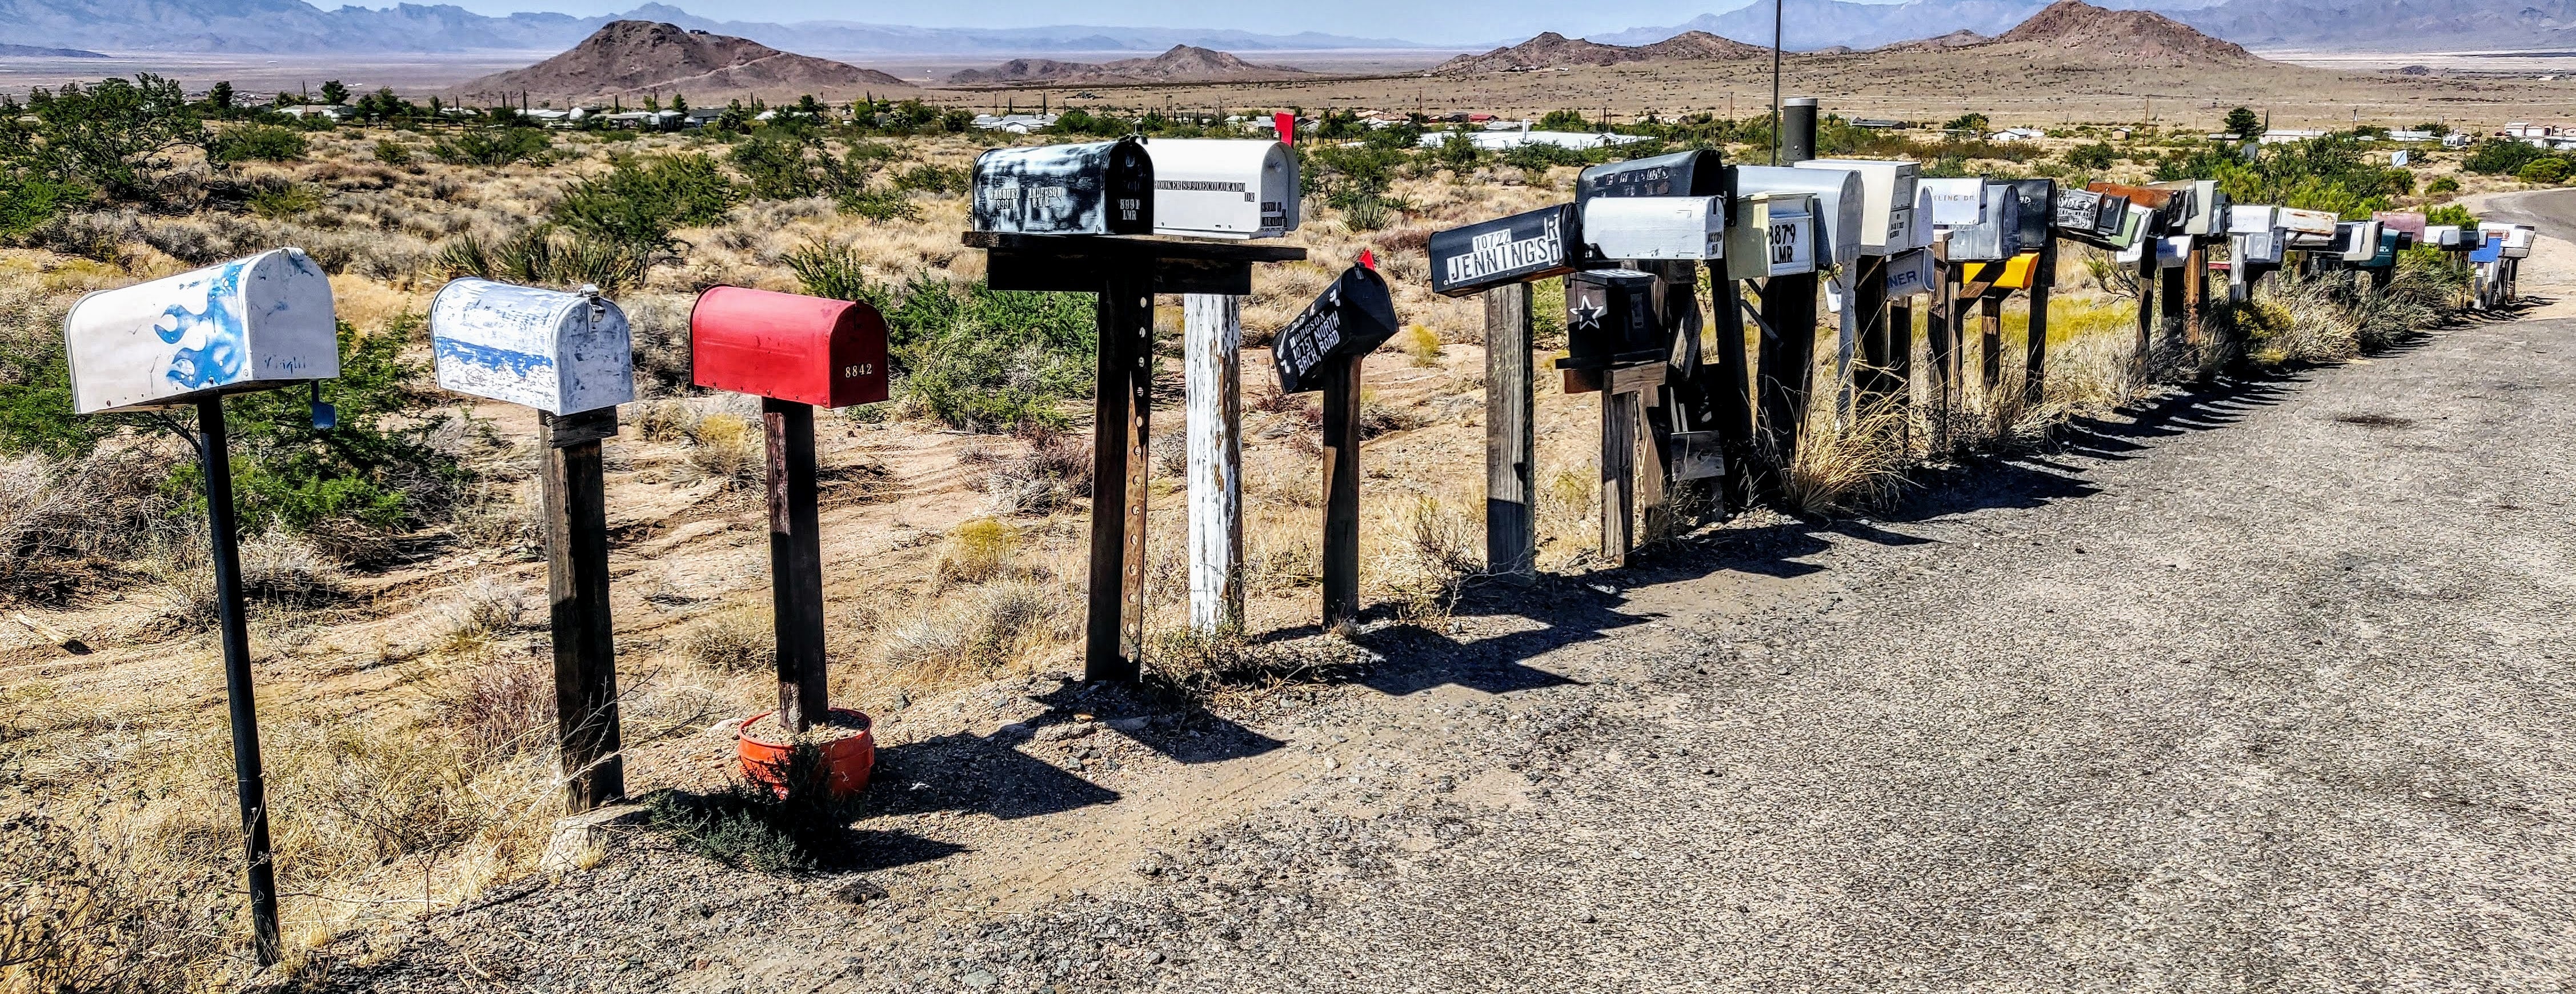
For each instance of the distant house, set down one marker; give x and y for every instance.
(332, 111)
(1016, 124)
(643, 118)
(1877, 123)
(2409, 135)
(2017, 135)
(2526, 129)
(2279, 136)
(1497, 141)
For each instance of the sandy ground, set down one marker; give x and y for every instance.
(2263, 687)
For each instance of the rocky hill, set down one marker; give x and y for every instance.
(626, 58)
(2135, 37)
(1552, 51)
(1182, 64)
(1961, 38)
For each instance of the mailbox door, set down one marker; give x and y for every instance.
(249, 324)
(812, 350)
(1748, 250)
(2251, 217)
(1838, 203)
(562, 353)
(1354, 315)
(2362, 241)
(1956, 203)
(1517, 249)
(1610, 318)
(2489, 251)
(2114, 217)
(1098, 188)
(2038, 207)
(1656, 227)
(1695, 173)
(1223, 188)
(2441, 235)
(1790, 239)
(1909, 274)
(2077, 212)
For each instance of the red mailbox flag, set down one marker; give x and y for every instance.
(813, 350)
(1287, 125)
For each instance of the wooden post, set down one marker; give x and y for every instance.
(1618, 471)
(1342, 491)
(2143, 364)
(1114, 635)
(214, 454)
(1212, 332)
(1900, 355)
(1511, 526)
(576, 511)
(1868, 305)
(1788, 360)
(2034, 370)
(2169, 308)
(2195, 289)
(1941, 345)
(1733, 392)
(1990, 338)
(795, 564)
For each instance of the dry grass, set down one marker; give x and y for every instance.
(1856, 465)
(727, 448)
(978, 551)
(738, 640)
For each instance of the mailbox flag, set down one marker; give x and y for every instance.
(1352, 317)
(1287, 127)
(249, 324)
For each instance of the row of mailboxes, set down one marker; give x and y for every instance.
(256, 323)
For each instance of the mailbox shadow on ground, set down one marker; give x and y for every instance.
(982, 774)
(2197, 410)
(1165, 722)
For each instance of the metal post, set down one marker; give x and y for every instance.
(795, 564)
(1733, 391)
(1511, 529)
(1212, 334)
(576, 510)
(215, 458)
(1114, 633)
(1341, 430)
(1776, 8)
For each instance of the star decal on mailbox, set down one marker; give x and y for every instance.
(1587, 317)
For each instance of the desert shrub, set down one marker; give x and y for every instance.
(1538, 156)
(257, 143)
(2442, 185)
(728, 448)
(2501, 156)
(494, 146)
(752, 827)
(392, 153)
(929, 178)
(987, 628)
(787, 167)
(285, 200)
(2451, 214)
(2543, 171)
(2332, 173)
(978, 550)
(28, 202)
(991, 360)
(2093, 156)
(1056, 470)
(1368, 213)
(637, 203)
(544, 256)
(501, 707)
(1420, 344)
(731, 642)
(828, 270)
(1858, 465)
(879, 204)
(87, 906)
(118, 137)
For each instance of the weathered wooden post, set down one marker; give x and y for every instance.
(1788, 311)
(1323, 349)
(1660, 217)
(1614, 344)
(795, 353)
(569, 356)
(1499, 258)
(1062, 218)
(257, 323)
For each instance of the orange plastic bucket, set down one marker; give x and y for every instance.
(849, 758)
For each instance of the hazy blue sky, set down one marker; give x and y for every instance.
(1421, 20)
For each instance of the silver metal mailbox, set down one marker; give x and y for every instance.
(2358, 240)
(1997, 234)
(2446, 236)
(1224, 188)
(2261, 247)
(1887, 189)
(2517, 238)
(561, 353)
(1838, 204)
(2308, 229)
(1627, 228)
(1098, 188)
(2252, 218)
(2206, 213)
(1910, 274)
(1956, 203)
(2173, 251)
(250, 324)
(1774, 235)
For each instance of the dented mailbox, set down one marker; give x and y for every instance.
(2205, 213)
(1624, 228)
(2443, 236)
(250, 324)
(1887, 202)
(1223, 188)
(1517, 249)
(1838, 204)
(1354, 315)
(1997, 234)
(1774, 235)
(1610, 319)
(2308, 229)
(1098, 188)
(1696, 173)
(561, 353)
(812, 350)
(1910, 274)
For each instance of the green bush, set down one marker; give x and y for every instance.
(2547, 172)
(2500, 156)
(2452, 214)
(639, 202)
(826, 270)
(2441, 185)
(2332, 173)
(28, 202)
(988, 360)
(496, 146)
(285, 201)
(2095, 156)
(879, 204)
(546, 257)
(929, 178)
(116, 137)
(392, 153)
(257, 143)
(787, 167)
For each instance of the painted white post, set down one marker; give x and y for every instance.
(1212, 333)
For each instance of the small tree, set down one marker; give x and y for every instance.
(680, 102)
(335, 92)
(1971, 121)
(221, 96)
(2242, 123)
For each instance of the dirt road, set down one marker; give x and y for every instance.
(2269, 688)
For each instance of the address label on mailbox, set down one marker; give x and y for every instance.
(1097, 188)
(249, 324)
(561, 353)
(1517, 249)
(1354, 315)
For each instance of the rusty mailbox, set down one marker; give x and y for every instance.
(2308, 229)
(2204, 213)
(1692, 228)
(1532, 245)
(1096, 188)
(1224, 188)
(2167, 206)
(1887, 187)
(2411, 223)
(1839, 198)
(785, 346)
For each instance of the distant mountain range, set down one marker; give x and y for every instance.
(2348, 25)
(293, 26)
(632, 58)
(1183, 64)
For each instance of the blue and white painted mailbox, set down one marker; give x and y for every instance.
(561, 353)
(249, 324)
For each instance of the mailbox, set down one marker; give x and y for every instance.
(2167, 205)
(1838, 204)
(1097, 188)
(1696, 173)
(2205, 213)
(561, 353)
(1610, 319)
(2308, 229)
(2078, 212)
(1910, 274)
(2261, 247)
(1997, 234)
(2114, 216)
(2389, 243)
(1887, 202)
(2173, 251)
(1354, 315)
(2489, 250)
(1774, 235)
(2244, 218)
(2357, 241)
(1223, 188)
(1655, 227)
(1517, 249)
(812, 350)
(2135, 224)
(250, 324)
(2412, 223)
(1956, 203)
(2443, 236)
(2038, 207)
(2517, 240)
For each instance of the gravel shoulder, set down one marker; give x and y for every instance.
(2267, 688)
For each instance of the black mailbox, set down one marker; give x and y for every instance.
(2038, 207)
(1517, 249)
(1352, 317)
(1098, 188)
(1696, 173)
(1610, 319)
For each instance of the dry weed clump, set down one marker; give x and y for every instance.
(728, 449)
(487, 608)
(988, 627)
(278, 569)
(737, 640)
(1858, 464)
(501, 707)
(978, 551)
(66, 524)
(1434, 548)
(1420, 344)
(1054, 473)
(86, 905)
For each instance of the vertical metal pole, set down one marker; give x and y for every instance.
(1212, 334)
(2034, 371)
(1734, 390)
(1114, 628)
(795, 563)
(1776, 6)
(1511, 527)
(215, 458)
(576, 510)
(1341, 431)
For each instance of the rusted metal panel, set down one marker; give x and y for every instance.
(1097, 188)
(2308, 229)
(1224, 188)
(561, 353)
(250, 324)
(785, 346)
(1517, 249)
(1354, 314)
(1692, 228)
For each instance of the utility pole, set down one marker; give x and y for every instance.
(1776, 6)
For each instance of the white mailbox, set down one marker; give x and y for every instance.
(2259, 247)
(1223, 188)
(2308, 229)
(2445, 236)
(1838, 204)
(1887, 190)
(1910, 274)
(1774, 235)
(1956, 203)
(2207, 214)
(2517, 238)
(2243, 218)
(2359, 240)
(561, 353)
(2173, 251)
(250, 324)
(1997, 234)
(1628, 228)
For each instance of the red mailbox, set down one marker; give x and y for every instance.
(785, 346)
